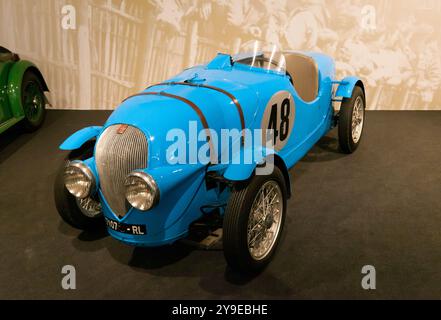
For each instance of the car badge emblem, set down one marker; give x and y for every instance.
(122, 128)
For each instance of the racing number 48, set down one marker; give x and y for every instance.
(281, 129)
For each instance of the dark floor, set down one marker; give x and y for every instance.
(380, 206)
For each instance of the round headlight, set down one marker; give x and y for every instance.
(78, 179)
(141, 191)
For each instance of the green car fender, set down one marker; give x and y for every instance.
(15, 80)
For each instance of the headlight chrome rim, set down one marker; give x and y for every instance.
(133, 191)
(81, 169)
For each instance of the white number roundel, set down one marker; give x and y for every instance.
(278, 119)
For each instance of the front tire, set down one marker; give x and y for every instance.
(351, 121)
(84, 214)
(253, 222)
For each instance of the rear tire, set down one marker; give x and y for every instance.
(33, 101)
(80, 214)
(351, 121)
(242, 254)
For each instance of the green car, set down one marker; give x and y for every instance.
(22, 90)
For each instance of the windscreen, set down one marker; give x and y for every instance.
(256, 54)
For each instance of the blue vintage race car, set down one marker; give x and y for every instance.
(211, 146)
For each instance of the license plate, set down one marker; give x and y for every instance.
(134, 229)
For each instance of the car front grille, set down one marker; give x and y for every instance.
(119, 150)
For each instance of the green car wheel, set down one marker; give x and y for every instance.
(33, 100)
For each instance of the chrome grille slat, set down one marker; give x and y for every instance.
(117, 155)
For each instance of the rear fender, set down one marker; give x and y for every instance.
(15, 80)
(347, 85)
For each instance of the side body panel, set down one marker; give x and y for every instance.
(312, 120)
(317, 115)
(5, 109)
(7, 116)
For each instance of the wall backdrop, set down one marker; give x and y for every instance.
(94, 53)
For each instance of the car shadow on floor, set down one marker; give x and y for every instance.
(16, 137)
(12, 140)
(208, 267)
(85, 241)
(90, 236)
(179, 260)
(157, 258)
(85, 235)
(327, 149)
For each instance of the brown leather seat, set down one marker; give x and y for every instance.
(304, 73)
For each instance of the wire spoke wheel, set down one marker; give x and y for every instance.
(351, 120)
(89, 207)
(253, 221)
(357, 119)
(265, 220)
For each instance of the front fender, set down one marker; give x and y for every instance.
(15, 80)
(181, 196)
(347, 85)
(241, 168)
(245, 162)
(169, 178)
(80, 137)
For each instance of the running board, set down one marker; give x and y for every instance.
(9, 123)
